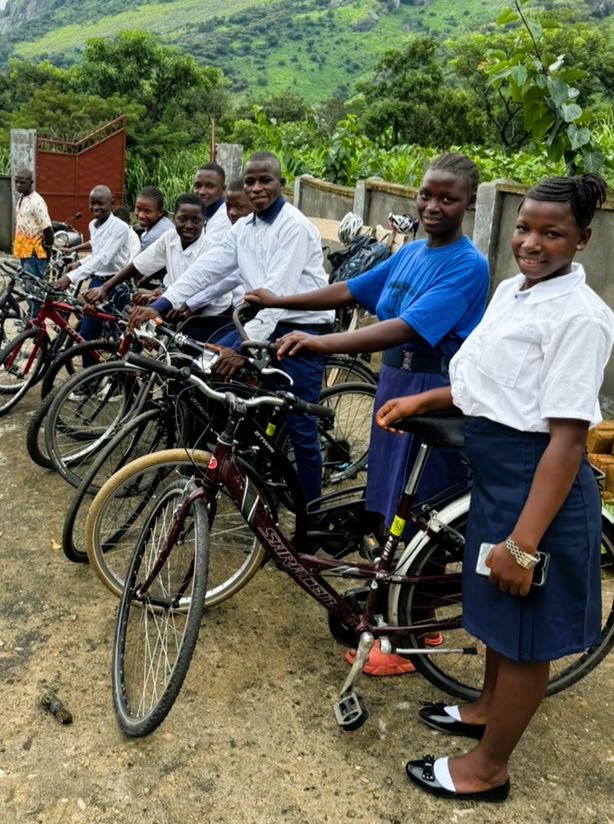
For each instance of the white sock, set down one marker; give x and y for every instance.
(442, 774)
(453, 712)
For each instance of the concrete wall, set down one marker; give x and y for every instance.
(318, 198)
(6, 214)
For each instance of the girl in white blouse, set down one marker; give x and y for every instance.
(527, 380)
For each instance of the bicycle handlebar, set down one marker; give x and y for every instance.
(262, 345)
(242, 314)
(294, 404)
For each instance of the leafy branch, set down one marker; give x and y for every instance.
(546, 94)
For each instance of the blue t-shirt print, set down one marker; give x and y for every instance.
(439, 292)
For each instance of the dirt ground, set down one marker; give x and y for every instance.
(252, 738)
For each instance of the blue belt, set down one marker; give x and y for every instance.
(416, 361)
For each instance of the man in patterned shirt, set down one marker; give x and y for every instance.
(33, 232)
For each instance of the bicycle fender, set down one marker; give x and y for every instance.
(449, 513)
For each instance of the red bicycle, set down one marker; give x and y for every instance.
(50, 344)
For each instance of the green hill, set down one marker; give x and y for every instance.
(314, 47)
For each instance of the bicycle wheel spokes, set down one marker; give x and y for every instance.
(21, 363)
(234, 553)
(143, 435)
(159, 615)
(345, 446)
(126, 502)
(85, 414)
(437, 601)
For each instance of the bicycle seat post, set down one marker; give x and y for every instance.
(417, 469)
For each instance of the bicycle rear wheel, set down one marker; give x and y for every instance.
(345, 446)
(340, 369)
(461, 674)
(159, 614)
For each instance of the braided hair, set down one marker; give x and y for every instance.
(460, 166)
(584, 193)
(155, 195)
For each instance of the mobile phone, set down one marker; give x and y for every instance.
(540, 570)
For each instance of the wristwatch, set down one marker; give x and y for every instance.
(523, 559)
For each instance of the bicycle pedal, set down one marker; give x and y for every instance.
(350, 712)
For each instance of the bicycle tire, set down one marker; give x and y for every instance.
(27, 351)
(340, 369)
(117, 513)
(148, 432)
(345, 447)
(80, 421)
(154, 640)
(35, 434)
(461, 676)
(13, 315)
(65, 362)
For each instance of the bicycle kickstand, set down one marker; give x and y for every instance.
(350, 711)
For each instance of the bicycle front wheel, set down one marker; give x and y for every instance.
(22, 361)
(159, 614)
(148, 432)
(126, 501)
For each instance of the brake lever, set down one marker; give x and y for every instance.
(272, 370)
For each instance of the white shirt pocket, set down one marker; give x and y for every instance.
(504, 353)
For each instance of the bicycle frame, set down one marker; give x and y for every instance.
(224, 470)
(57, 313)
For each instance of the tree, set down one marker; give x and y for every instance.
(178, 97)
(545, 93)
(409, 100)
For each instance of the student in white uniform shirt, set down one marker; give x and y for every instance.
(110, 242)
(210, 185)
(527, 380)
(279, 249)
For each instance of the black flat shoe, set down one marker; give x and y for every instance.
(422, 774)
(435, 716)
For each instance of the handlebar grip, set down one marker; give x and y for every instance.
(263, 345)
(317, 409)
(156, 366)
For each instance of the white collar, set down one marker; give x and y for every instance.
(554, 288)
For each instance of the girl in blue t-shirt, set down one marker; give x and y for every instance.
(427, 298)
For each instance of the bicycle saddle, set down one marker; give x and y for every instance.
(440, 429)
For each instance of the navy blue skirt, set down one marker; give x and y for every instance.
(563, 616)
(391, 456)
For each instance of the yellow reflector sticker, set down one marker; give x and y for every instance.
(398, 525)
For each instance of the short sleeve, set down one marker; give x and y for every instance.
(573, 367)
(367, 288)
(153, 258)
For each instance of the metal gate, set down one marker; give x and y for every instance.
(67, 171)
